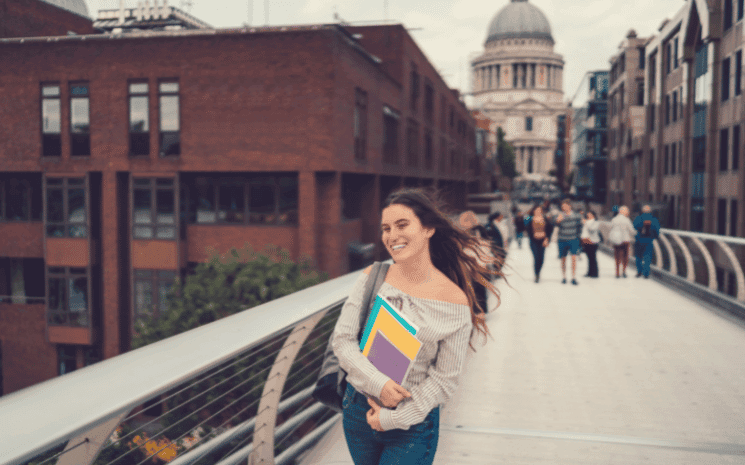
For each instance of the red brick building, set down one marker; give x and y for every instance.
(128, 158)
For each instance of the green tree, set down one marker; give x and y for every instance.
(505, 156)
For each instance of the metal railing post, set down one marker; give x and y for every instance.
(709, 263)
(266, 418)
(690, 275)
(671, 252)
(736, 268)
(84, 448)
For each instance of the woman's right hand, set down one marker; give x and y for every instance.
(392, 394)
(545, 242)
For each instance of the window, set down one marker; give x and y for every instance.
(727, 15)
(667, 109)
(739, 9)
(722, 217)
(360, 124)
(51, 142)
(668, 58)
(428, 151)
(66, 212)
(66, 359)
(640, 93)
(666, 161)
(139, 119)
(514, 75)
(241, 200)
(390, 135)
(675, 106)
(725, 78)
(675, 53)
(414, 87)
(429, 101)
(154, 208)
(735, 147)
(651, 162)
(20, 197)
(528, 123)
(733, 218)
(170, 121)
(80, 134)
(652, 116)
(640, 51)
(673, 157)
(698, 154)
(67, 296)
(412, 143)
(151, 289)
(22, 280)
(724, 149)
(738, 72)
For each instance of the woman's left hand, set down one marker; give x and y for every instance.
(373, 416)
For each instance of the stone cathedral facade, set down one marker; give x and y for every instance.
(518, 84)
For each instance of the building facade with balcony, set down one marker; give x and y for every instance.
(126, 159)
(627, 122)
(589, 137)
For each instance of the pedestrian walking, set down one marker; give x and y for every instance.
(620, 235)
(647, 230)
(494, 231)
(570, 229)
(519, 220)
(431, 281)
(539, 229)
(590, 241)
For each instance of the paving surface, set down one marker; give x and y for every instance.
(612, 371)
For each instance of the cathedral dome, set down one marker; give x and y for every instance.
(519, 20)
(76, 6)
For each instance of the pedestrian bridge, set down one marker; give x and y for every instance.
(609, 371)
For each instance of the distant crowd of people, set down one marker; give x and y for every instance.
(576, 232)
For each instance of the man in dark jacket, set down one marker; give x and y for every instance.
(647, 230)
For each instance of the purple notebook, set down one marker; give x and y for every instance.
(388, 359)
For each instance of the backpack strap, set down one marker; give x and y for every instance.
(374, 281)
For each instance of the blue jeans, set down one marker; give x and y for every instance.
(417, 445)
(644, 257)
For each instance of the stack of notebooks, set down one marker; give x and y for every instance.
(389, 341)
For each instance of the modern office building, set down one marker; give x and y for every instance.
(125, 159)
(589, 137)
(626, 122)
(518, 84)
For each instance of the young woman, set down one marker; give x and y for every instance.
(621, 232)
(590, 240)
(431, 282)
(539, 229)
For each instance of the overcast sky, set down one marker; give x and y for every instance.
(451, 32)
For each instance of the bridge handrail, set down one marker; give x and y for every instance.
(705, 236)
(39, 417)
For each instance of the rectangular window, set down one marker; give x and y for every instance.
(727, 15)
(528, 123)
(66, 209)
(170, 119)
(360, 124)
(22, 280)
(733, 218)
(735, 148)
(697, 214)
(725, 78)
(80, 134)
(154, 208)
(722, 217)
(429, 102)
(139, 119)
(68, 296)
(151, 288)
(668, 58)
(740, 4)
(390, 135)
(738, 72)
(67, 360)
(673, 157)
(666, 161)
(640, 93)
(698, 154)
(667, 109)
(651, 162)
(675, 53)
(412, 143)
(652, 116)
(20, 197)
(51, 142)
(414, 88)
(724, 149)
(640, 51)
(428, 151)
(675, 106)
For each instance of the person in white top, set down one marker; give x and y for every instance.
(590, 239)
(431, 281)
(621, 233)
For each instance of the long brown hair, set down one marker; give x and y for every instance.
(447, 248)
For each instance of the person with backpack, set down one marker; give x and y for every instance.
(431, 283)
(648, 229)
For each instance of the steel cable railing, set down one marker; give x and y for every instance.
(207, 397)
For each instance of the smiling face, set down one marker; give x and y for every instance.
(403, 234)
